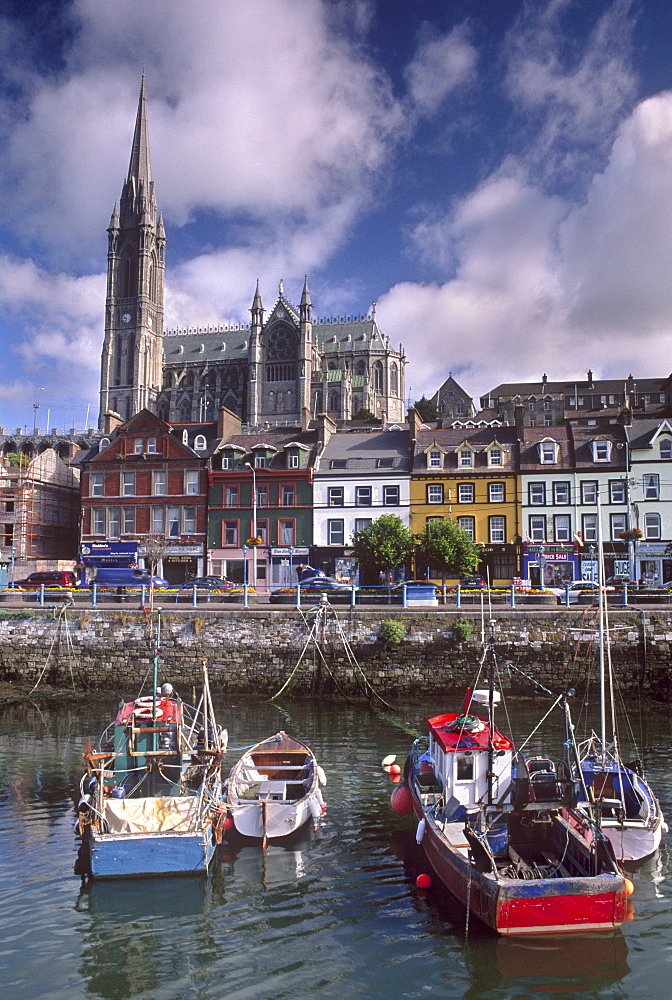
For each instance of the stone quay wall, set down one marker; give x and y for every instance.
(254, 652)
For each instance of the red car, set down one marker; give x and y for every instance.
(50, 578)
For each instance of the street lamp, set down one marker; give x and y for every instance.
(245, 567)
(291, 556)
(36, 406)
(254, 521)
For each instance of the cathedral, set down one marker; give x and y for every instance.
(284, 367)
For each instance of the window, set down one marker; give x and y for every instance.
(189, 520)
(435, 493)
(129, 520)
(588, 492)
(137, 446)
(96, 484)
(495, 456)
(652, 526)
(497, 529)
(391, 496)
(98, 527)
(547, 404)
(173, 522)
(651, 484)
(548, 421)
(666, 449)
(259, 461)
(601, 451)
(561, 493)
(496, 492)
(229, 532)
(159, 481)
(362, 522)
(292, 459)
(338, 463)
(465, 493)
(435, 460)
(262, 531)
(128, 484)
(262, 495)
(464, 768)
(362, 496)
(384, 463)
(562, 528)
(335, 532)
(227, 462)
(200, 444)
(616, 491)
(617, 524)
(547, 452)
(531, 405)
(104, 443)
(158, 521)
(151, 446)
(113, 522)
(231, 496)
(191, 482)
(466, 458)
(537, 494)
(589, 527)
(288, 495)
(335, 496)
(468, 525)
(286, 532)
(537, 528)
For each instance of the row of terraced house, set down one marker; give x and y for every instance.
(255, 504)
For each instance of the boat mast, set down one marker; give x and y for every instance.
(601, 608)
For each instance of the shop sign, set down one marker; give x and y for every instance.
(184, 550)
(302, 550)
(99, 553)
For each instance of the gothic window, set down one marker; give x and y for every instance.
(332, 366)
(333, 402)
(185, 411)
(129, 360)
(128, 276)
(378, 376)
(152, 278)
(394, 379)
(281, 345)
(360, 368)
(318, 406)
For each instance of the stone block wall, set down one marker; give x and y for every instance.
(254, 652)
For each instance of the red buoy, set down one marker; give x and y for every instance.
(401, 801)
(395, 769)
(423, 881)
(228, 822)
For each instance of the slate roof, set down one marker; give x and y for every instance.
(361, 453)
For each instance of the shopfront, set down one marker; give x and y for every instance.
(285, 562)
(652, 566)
(180, 562)
(114, 555)
(550, 565)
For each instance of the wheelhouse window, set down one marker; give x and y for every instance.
(464, 767)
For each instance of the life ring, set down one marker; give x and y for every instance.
(146, 714)
(145, 700)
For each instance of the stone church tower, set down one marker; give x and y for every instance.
(281, 368)
(132, 359)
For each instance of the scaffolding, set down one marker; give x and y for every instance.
(39, 509)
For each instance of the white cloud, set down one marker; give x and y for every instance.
(542, 285)
(439, 66)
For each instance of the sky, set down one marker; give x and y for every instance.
(495, 174)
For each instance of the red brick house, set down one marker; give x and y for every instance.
(146, 481)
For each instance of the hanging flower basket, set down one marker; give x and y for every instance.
(255, 541)
(630, 535)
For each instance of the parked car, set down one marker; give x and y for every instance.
(579, 589)
(412, 584)
(315, 585)
(48, 578)
(473, 582)
(206, 583)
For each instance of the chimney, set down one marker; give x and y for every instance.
(325, 428)
(544, 379)
(590, 378)
(519, 418)
(414, 424)
(228, 424)
(111, 421)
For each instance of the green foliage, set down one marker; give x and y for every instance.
(364, 414)
(392, 630)
(462, 629)
(385, 545)
(445, 547)
(428, 410)
(17, 460)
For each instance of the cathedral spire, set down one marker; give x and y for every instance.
(140, 167)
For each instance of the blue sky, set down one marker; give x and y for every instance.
(495, 174)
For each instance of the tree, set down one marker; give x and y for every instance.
(428, 410)
(384, 545)
(444, 546)
(154, 548)
(364, 414)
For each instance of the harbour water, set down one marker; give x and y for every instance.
(334, 915)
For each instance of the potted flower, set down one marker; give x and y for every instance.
(630, 534)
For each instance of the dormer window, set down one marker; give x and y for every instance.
(227, 461)
(666, 450)
(435, 460)
(185, 436)
(259, 461)
(466, 458)
(495, 456)
(200, 443)
(547, 452)
(104, 443)
(292, 459)
(601, 451)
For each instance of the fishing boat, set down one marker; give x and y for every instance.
(503, 833)
(629, 813)
(150, 799)
(274, 789)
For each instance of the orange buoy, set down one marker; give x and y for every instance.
(423, 881)
(395, 769)
(401, 801)
(629, 887)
